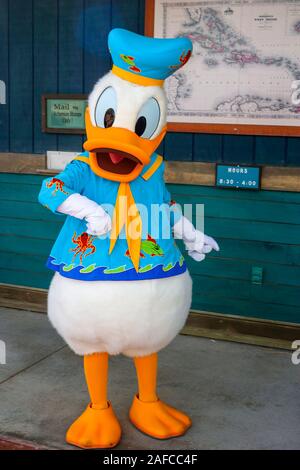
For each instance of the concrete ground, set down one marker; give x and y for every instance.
(239, 396)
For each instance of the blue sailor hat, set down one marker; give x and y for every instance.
(146, 60)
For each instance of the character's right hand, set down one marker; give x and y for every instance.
(97, 220)
(98, 223)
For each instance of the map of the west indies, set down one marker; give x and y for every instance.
(245, 63)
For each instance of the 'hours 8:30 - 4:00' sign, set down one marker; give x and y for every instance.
(238, 177)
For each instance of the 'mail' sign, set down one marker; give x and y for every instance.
(64, 113)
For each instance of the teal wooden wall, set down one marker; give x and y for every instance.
(60, 46)
(253, 228)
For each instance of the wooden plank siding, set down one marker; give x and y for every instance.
(60, 46)
(4, 75)
(20, 99)
(253, 229)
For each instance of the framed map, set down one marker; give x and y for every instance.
(244, 74)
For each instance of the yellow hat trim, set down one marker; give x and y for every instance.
(134, 78)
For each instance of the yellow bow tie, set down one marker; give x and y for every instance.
(126, 213)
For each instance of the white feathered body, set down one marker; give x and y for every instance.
(135, 318)
(131, 317)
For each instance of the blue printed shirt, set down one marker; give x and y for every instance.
(78, 255)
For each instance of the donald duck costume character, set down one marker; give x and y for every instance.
(121, 284)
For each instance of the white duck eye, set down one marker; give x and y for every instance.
(106, 108)
(148, 119)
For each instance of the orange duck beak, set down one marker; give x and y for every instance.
(118, 154)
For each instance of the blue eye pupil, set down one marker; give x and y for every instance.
(148, 118)
(109, 117)
(140, 125)
(106, 108)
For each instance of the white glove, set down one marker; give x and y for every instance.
(196, 243)
(97, 220)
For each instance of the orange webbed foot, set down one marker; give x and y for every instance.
(95, 429)
(157, 419)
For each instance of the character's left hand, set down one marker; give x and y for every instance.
(202, 245)
(197, 243)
